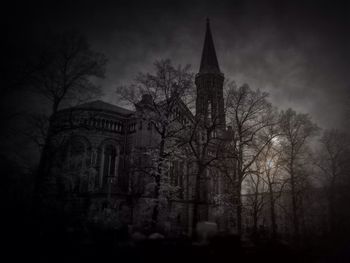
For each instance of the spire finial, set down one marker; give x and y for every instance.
(209, 61)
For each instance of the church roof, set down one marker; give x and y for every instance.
(104, 106)
(209, 61)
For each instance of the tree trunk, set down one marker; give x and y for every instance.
(45, 161)
(42, 172)
(255, 223)
(239, 190)
(239, 211)
(155, 212)
(195, 216)
(331, 212)
(272, 213)
(294, 202)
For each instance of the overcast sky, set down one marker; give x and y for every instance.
(296, 51)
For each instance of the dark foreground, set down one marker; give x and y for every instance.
(109, 246)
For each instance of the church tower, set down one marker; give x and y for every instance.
(209, 82)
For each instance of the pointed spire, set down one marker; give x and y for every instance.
(209, 61)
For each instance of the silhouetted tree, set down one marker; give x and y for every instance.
(270, 170)
(333, 160)
(163, 110)
(255, 198)
(297, 130)
(249, 113)
(70, 66)
(206, 149)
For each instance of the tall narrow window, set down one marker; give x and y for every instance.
(209, 111)
(76, 155)
(110, 154)
(74, 164)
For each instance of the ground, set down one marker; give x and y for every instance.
(115, 246)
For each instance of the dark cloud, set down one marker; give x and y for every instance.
(298, 51)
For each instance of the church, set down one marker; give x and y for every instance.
(96, 166)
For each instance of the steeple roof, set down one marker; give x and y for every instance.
(209, 61)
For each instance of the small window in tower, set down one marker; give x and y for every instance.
(209, 111)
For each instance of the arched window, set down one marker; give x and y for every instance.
(109, 163)
(75, 162)
(76, 155)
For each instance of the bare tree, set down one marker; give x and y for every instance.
(297, 129)
(205, 147)
(249, 114)
(70, 66)
(255, 198)
(163, 110)
(269, 168)
(333, 160)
